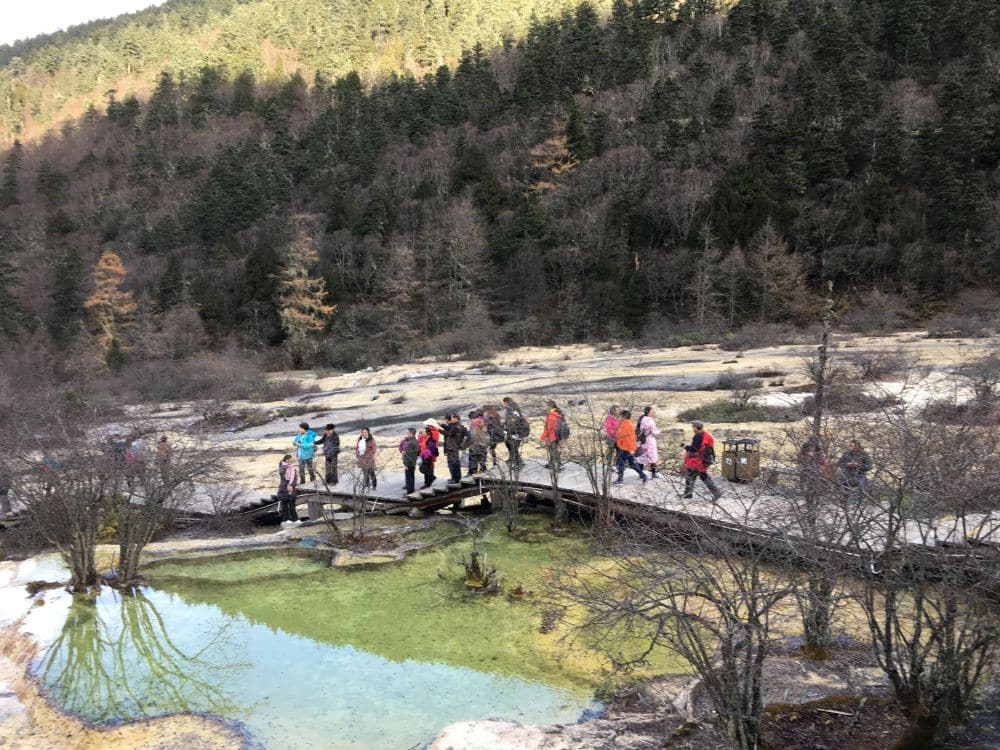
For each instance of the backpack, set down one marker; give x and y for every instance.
(521, 427)
(562, 427)
(708, 455)
(640, 436)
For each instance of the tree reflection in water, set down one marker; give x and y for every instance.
(113, 663)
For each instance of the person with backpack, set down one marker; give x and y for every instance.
(698, 456)
(288, 479)
(330, 441)
(365, 453)
(409, 449)
(554, 432)
(626, 444)
(428, 442)
(494, 427)
(305, 449)
(517, 428)
(648, 453)
(479, 442)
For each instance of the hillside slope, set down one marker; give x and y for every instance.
(58, 76)
(676, 172)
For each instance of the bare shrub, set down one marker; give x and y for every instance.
(953, 325)
(758, 336)
(884, 364)
(879, 313)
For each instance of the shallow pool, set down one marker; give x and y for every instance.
(308, 656)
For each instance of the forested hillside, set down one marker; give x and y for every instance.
(670, 171)
(56, 76)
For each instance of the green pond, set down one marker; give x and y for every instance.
(308, 656)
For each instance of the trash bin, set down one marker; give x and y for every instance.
(741, 459)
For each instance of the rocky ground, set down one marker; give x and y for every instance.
(585, 380)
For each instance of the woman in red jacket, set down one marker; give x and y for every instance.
(550, 436)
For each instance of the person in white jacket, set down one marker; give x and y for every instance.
(648, 453)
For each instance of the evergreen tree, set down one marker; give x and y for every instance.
(50, 183)
(12, 316)
(66, 311)
(206, 99)
(244, 93)
(161, 111)
(577, 137)
(171, 290)
(8, 183)
(723, 107)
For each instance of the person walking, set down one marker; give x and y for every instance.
(409, 449)
(517, 429)
(813, 465)
(699, 455)
(648, 453)
(626, 445)
(455, 439)
(479, 442)
(330, 441)
(495, 429)
(611, 422)
(288, 479)
(854, 465)
(551, 437)
(428, 441)
(365, 453)
(305, 449)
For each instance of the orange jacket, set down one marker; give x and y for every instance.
(625, 437)
(549, 431)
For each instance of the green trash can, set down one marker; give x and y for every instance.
(741, 459)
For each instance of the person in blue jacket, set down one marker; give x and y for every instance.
(305, 449)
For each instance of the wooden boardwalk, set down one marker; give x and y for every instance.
(755, 511)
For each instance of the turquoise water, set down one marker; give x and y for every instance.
(306, 656)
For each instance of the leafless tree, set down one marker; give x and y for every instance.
(156, 487)
(698, 587)
(65, 488)
(931, 586)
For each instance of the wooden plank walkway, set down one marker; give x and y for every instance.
(762, 509)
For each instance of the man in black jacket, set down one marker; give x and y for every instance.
(330, 441)
(409, 449)
(455, 438)
(516, 428)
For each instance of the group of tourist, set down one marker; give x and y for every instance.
(632, 444)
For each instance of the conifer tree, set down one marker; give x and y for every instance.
(244, 93)
(12, 316)
(66, 311)
(302, 304)
(577, 137)
(171, 291)
(8, 183)
(162, 108)
(111, 308)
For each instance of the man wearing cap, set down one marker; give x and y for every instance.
(409, 449)
(330, 441)
(697, 459)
